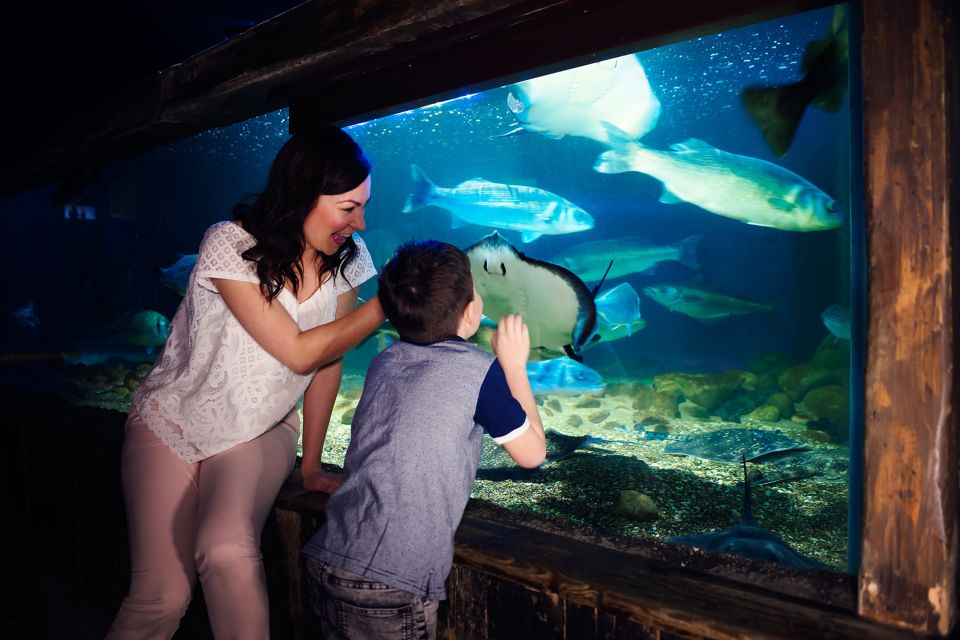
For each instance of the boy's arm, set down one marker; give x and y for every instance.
(318, 402)
(511, 342)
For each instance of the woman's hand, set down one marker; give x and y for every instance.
(316, 479)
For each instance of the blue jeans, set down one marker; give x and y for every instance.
(354, 607)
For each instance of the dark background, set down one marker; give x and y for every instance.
(57, 58)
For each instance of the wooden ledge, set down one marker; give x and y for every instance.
(658, 586)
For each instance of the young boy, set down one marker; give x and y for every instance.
(378, 565)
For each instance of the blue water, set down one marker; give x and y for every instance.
(85, 275)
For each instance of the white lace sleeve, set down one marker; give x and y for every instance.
(220, 255)
(358, 271)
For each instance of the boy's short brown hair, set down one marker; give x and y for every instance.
(424, 289)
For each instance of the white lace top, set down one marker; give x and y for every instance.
(213, 385)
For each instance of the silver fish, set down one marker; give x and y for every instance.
(747, 189)
(532, 211)
(618, 314)
(144, 328)
(706, 306)
(629, 254)
(577, 102)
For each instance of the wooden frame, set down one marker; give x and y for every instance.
(391, 53)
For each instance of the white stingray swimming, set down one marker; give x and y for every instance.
(556, 305)
(533, 212)
(577, 102)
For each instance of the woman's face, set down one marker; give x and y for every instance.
(335, 218)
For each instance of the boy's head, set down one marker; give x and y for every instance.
(426, 291)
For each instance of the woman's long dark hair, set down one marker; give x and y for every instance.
(321, 160)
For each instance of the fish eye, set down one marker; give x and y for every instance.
(832, 206)
(503, 269)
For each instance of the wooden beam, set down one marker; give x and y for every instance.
(909, 562)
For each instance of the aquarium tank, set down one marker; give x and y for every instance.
(675, 224)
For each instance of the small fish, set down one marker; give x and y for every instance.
(743, 188)
(556, 305)
(144, 328)
(562, 376)
(26, 315)
(705, 306)
(778, 110)
(749, 540)
(577, 102)
(618, 314)
(177, 275)
(497, 465)
(590, 260)
(836, 318)
(531, 211)
(734, 445)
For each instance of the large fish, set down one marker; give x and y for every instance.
(706, 306)
(577, 102)
(629, 254)
(740, 187)
(778, 110)
(532, 211)
(556, 305)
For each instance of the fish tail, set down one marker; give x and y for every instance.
(423, 190)
(612, 161)
(687, 251)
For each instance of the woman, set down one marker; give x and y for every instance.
(212, 431)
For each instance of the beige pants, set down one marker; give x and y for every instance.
(202, 518)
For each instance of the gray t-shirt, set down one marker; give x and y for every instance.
(415, 444)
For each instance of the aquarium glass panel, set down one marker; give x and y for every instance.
(675, 225)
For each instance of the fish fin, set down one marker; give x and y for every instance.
(617, 138)
(518, 129)
(669, 197)
(383, 341)
(777, 111)
(832, 100)
(529, 236)
(423, 190)
(781, 205)
(687, 251)
(693, 144)
(611, 162)
(573, 355)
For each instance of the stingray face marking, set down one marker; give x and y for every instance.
(503, 269)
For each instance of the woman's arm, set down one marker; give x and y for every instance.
(274, 330)
(317, 408)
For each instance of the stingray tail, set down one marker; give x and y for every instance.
(423, 190)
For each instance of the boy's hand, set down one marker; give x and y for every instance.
(316, 479)
(511, 341)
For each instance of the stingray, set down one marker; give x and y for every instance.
(496, 463)
(748, 540)
(831, 466)
(732, 445)
(556, 305)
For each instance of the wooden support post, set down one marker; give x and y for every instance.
(908, 569)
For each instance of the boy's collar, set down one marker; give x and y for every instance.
(427, 344)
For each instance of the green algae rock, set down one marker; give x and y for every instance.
(636, 505)
(706, 389)
(830, 403)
